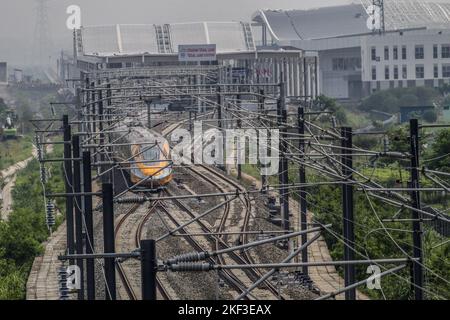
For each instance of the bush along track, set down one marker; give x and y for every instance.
(21, 237)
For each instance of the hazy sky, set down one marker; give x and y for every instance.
(17, 17)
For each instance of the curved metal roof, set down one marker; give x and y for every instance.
(351, 19)
(164, 39)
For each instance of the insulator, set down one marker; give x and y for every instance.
(188, 257)
(43, 173)
(62, 279)
(37, 140)
(386, 144)
(191, 267)
(50, 214)
(39, 152)
(334, 122)
(131, 200)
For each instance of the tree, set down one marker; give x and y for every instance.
(381, 101)
(430, 116)
(425, 95)
(341, 116)
(399, 139)
(366, 142)
(326, 103)
(408, 100)
(441, 151)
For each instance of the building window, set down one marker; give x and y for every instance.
(420, 54)
(395, 53)
(374, 73)
(445, 51)
(446, 71)
(404, 72)
(404, 56)
(374, 54)
(386, 53)
(345, 64)
(386, 73)
(435, 51)
(396, 72)
(436, 71)
(420, 71)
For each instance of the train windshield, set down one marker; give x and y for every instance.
(152, 153)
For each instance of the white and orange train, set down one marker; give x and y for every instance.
(147, 155)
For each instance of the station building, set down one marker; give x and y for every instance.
(411, 48)
(238, 59)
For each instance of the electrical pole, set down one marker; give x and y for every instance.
(148, 269)
(78, 210)
(261, 107)
(418, 276)
(67, 170)
(109, 242)
(87, 189)
(239, 125)
(43, 42)
(302, 190)
(348, 219)
(283, 163)
(149, 115)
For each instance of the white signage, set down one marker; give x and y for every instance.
(197, 52)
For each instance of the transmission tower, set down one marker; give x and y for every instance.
(42, 45)
(380, 4)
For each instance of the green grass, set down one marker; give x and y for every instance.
(326, 203)
(21, 236)
(357, 119)
(13, 151)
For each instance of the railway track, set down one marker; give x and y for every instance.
(135, 242)
(246, 258)
(232, 280)
(220, 242)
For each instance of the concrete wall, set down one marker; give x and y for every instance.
(339, 83)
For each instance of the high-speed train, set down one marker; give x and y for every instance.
(147, 155)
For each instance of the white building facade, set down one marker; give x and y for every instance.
(406, 59)
(354, 61)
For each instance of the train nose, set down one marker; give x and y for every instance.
(157, 172)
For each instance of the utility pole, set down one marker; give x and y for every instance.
(221, 164)
(302, 190)
(148, 269)
(149, 114)
(261, 101)
(239, 125)
(109, 101)
(78, 210)
(109, 242)
(43, 42)
(283, 175)
(348, 219)
(93, 110)
(87, 189)
(86, 126)
(219, 107)
(261, 107)
(417, 276)
(68, 179)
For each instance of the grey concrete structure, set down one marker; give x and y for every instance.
(411, 47)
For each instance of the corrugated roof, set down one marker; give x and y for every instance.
(163, 39)
(351, 19)
(318, 23)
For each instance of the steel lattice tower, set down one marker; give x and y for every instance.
(380, 4)
(42, 45)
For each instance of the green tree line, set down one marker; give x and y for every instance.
(23, 233)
